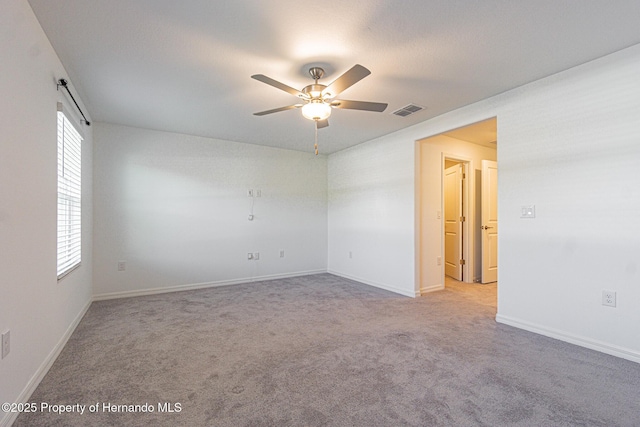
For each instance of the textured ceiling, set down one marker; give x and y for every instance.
(185, 66)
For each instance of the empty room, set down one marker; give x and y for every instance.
(365, 213)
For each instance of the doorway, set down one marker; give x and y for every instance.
(449, 195)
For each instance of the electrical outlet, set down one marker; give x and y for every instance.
(439, 260)
(6, 344)
(249, 256)
(350, 254)
(256, 256)
(609, 298)
(122, 265)
(282, 254)
(249, 193)
(258, 193)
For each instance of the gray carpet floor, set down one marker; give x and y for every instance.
(325, 351)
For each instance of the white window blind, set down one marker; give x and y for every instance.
(69, 196)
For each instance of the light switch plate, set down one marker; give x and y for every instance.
(528, 211)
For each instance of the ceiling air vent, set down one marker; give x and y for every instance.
(407, 110)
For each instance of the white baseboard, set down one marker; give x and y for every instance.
(431, 288)
(193, 286)
(376, 285)
(33, 383)
(589, 343)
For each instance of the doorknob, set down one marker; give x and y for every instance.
(485, 227)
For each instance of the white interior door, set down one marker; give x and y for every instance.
(489, 221)
(452, 223)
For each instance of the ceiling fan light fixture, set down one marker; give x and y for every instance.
(316, 110)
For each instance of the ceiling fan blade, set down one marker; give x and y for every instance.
(268, 80)
(359, 105)
(276, 110)
(348, 79)
(322, 123)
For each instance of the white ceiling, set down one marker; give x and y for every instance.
(185, 66)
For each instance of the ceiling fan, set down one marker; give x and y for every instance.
(318, 99)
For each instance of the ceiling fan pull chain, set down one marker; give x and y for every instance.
(316, 144)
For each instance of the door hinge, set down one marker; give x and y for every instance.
(462, 219)
(462, 262)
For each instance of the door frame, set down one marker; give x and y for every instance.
(467, 230)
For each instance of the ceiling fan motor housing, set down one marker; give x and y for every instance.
(314, 91)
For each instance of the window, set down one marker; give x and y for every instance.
(69, 196)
